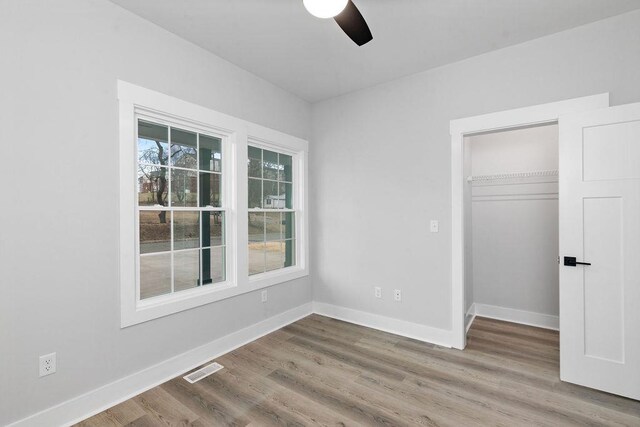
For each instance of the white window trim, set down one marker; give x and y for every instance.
(298, 162)
(237, 135)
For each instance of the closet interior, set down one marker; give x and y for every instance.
(511, 225)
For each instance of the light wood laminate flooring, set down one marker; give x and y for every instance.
(321, 371)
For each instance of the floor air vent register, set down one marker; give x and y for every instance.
(201, 373)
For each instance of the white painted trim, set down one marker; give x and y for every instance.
(95, 401)
(546, 321)
(300, 208)
(237, 134)
(529, 116)
(471, 312)
(387, 324)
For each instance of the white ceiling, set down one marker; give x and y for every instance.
(312, 58)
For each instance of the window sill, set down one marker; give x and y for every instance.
(188, 294)
(275, 277)
(161, 306)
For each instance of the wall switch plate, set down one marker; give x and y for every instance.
(397, 295)
(378, 291)
(264, 296)
(47, 364)
(435, 226)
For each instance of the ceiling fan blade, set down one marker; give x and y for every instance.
(354, 25)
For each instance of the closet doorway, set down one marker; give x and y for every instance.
(599, 232)
(510, 120)
(511, 225)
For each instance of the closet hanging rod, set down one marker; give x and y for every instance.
(516, 175)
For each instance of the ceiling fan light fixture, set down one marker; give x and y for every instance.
(325, 8)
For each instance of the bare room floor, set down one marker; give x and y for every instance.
(320, 371)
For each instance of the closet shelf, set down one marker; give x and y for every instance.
(516, 175)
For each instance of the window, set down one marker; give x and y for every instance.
(185, 211)
(271, 217)
(180, 218)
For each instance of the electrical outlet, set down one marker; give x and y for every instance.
(264, 296)
(397, 295)
(378, 291)
(47, 364)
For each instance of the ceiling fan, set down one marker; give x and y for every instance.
(346, 14)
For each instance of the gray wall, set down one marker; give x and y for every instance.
(59, 174)
(379, 172)
(381, 161)
(514, 230)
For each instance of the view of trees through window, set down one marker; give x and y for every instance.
(180, 215)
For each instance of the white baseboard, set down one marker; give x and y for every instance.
(416, 331)
(530, 318)
(95, 401)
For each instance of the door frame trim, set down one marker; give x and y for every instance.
(458, 129)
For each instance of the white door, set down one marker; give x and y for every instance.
(600, 225)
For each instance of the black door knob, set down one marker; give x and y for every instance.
(570, 261)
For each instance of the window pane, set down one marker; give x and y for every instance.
(271, 200)
(285, 170)
(184, 188)
(279, 255)
(153, 145)
(274, 255)
(289, 253)
(155, 275)
(286, 195)
(210, 153)
(254, 163)
(185, 248)
(152, 185)
(183, 149)
(273, 226)
(210, 189)
(275, 229)
(255, 193)
(270, 165)
(186, 266)
(256, 258)
(155, 231)
(186, 230)
(288, 225)
(256, 227)
(212, 229)
(213, 263)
